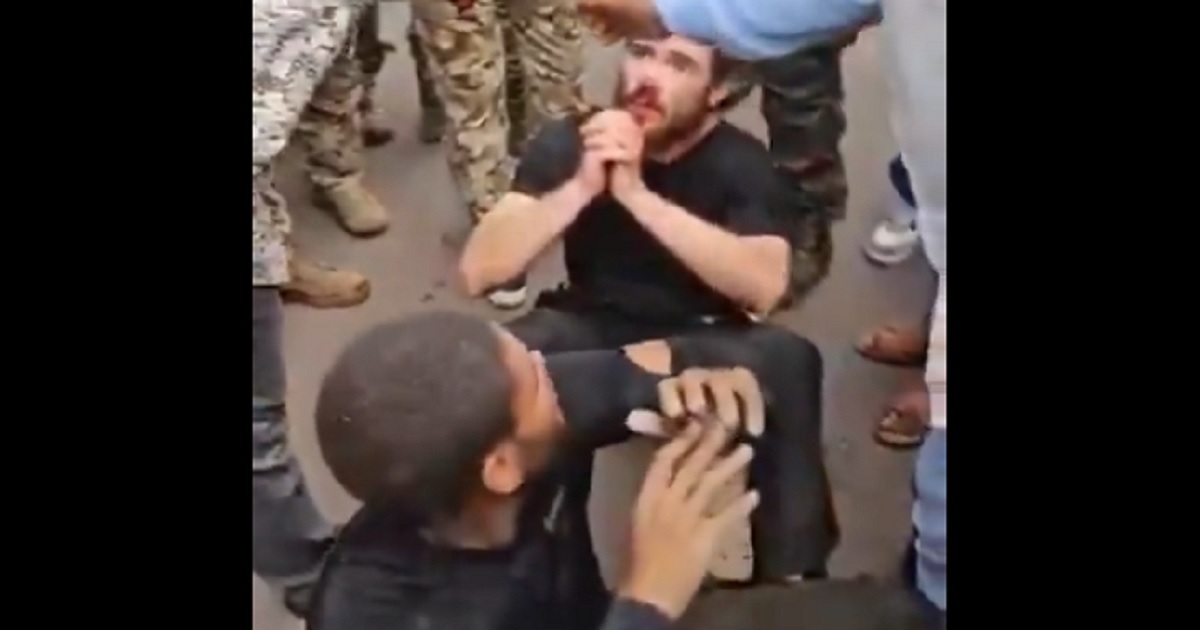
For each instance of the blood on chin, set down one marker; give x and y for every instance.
(646, 117)
(642, 103)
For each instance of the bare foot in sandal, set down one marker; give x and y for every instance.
(905, 421)
(894, 345)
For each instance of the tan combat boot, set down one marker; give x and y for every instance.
(322, 286)
(359, 212)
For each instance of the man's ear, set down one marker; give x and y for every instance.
(718, 97)
(503, 471)
(739, 82)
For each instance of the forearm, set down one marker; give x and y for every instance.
(627, 614)
(514, 234)
(729, 264)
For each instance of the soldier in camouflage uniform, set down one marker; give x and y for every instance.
(432, 125)
(802, 105)
(802, 101)
(516, 98)
(331, 134)
(466, 41)
(371, 52)
(292, 46)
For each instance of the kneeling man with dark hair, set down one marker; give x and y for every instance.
(453, 434)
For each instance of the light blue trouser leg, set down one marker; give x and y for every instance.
(929, 518)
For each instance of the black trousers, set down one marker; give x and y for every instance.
(794, 528)
(834, 604)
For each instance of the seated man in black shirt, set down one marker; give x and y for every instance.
(452, 432)
(671, 225)
(671, 218)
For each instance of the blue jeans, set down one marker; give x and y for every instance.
(929, 518)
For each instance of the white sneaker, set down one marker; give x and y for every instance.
(892, 242)
(508, 296)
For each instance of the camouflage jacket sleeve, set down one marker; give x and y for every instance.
(294, 42)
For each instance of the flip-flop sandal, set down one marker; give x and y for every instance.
(880, 346)
(900, 429)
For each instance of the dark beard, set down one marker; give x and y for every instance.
(679, 127)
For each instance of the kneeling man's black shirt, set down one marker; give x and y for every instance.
(728, 180)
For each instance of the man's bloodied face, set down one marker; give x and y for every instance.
(668, 85)
(538, 425)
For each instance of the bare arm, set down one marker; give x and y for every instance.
(553, 183)
(750, 270)
(515, 233)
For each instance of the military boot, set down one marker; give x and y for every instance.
(322, 286)
(374, 133)
(432, 125)
(359, 212)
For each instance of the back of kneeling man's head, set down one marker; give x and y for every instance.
(411, 408)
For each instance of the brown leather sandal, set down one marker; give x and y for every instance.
(905, 421)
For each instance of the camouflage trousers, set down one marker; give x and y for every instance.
(514, 80)
(371, 52)
(472, 52)
(330, 129)
(802, 101)
(426, 91)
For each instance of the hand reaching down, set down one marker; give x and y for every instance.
(676, 526)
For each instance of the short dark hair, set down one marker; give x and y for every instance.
(725, 67)
(736, 75)
(411, 407)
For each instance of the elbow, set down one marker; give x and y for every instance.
(770, 294)
(773, 275)
(477, 265)
(480, 274)
(472, 272)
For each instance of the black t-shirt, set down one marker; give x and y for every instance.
(613, 263)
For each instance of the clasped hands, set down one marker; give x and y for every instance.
(613, 145)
